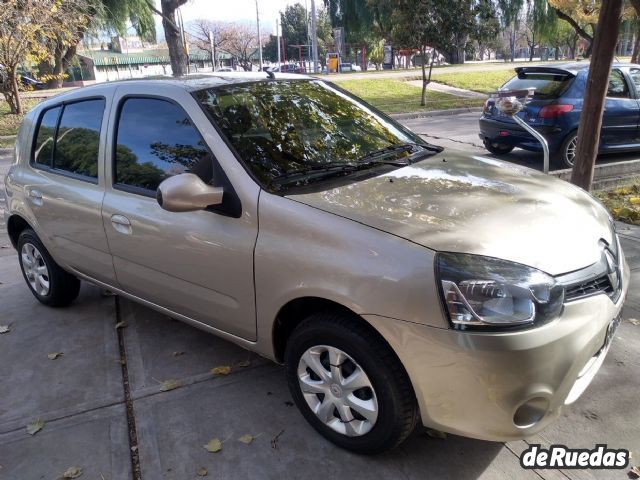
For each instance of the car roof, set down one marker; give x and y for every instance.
(571, 67)
(189, 83)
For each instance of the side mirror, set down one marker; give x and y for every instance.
(187, 193)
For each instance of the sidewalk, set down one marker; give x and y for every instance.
(105, 410)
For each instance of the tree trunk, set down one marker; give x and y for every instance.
(604, 45)
(423, 52)
(177, 55)
(636, 48)
(12, 93)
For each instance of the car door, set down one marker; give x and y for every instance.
(65, 188)
(197, 264)
(621, 114)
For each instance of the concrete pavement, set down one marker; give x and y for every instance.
(105, 410)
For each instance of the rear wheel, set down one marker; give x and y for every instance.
(349, 384)
(49, 283)
(565, 156)
(497, 148)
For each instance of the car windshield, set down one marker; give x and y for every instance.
(547, 85)
(307, 130)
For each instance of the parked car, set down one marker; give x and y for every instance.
(399, 284)
(289, 68)
(224, 69)
(555, 112)
(32, 83)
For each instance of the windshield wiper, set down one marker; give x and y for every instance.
(313, 172)
(379, 156)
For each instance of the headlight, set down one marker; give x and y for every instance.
(486, 292)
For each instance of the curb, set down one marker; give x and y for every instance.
(434, 113)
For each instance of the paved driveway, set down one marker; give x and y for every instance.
(105, 410)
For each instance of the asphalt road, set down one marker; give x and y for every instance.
(460, 132)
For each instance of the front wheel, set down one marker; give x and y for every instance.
(349, 384)
(497, 148)
(48, 282)
(566, 154)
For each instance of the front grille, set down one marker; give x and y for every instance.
(587, 288)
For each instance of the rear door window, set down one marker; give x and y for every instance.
(78, 138)
(156, 140)
(547, 85)
(45, 137)
(634, 73)
(618, 87)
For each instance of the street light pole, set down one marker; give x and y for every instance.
(259, 36)
(278, 35)
(314, 36)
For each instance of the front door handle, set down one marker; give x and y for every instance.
(121, 224)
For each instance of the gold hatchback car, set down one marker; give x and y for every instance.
(398, 283)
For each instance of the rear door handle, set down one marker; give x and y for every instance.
(35, 196)
(121, 224)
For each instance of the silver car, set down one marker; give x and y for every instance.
(398, 283)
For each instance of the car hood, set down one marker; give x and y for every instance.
(456, 202)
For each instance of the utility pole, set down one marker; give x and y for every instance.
(306, 13)
(604, 45)
(213, 51)
(278, 35)
(259, 36)
(314, 36)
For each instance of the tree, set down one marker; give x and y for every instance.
(582, 15)
(604, 46)
(242, 43)
(220, 32)
(510, 16)
(486, 27)
(177, 54)
(104, 14)
(25, 28)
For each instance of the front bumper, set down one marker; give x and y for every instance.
(504, 386)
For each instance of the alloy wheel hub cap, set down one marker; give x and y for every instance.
(337, 390)
(35, 269)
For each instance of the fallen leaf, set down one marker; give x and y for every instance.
(134, 448)
(72, 472)
(635, 321)
(169, 385)
(5, 328)
(634, 472)
(5, 246)
(247, 438)
(243, 364)
(288, 403)
(53, 356)
(202, 472)
(35, 426)
(122, 324)
(178, 354)
(213, 446)
(276, 439)
(436, 434)
(634, 200)
(222, 370)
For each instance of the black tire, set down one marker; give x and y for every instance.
(562, 158)
(63, 287)
(497, 148)
(397, 411)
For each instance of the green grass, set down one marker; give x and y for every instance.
(484, 82)
(10, 123)
(398, 96)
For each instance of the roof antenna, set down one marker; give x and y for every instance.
(271, 75)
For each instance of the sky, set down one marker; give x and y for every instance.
(235, 11)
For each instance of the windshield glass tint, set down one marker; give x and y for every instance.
(281, 127)
(546, 84)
